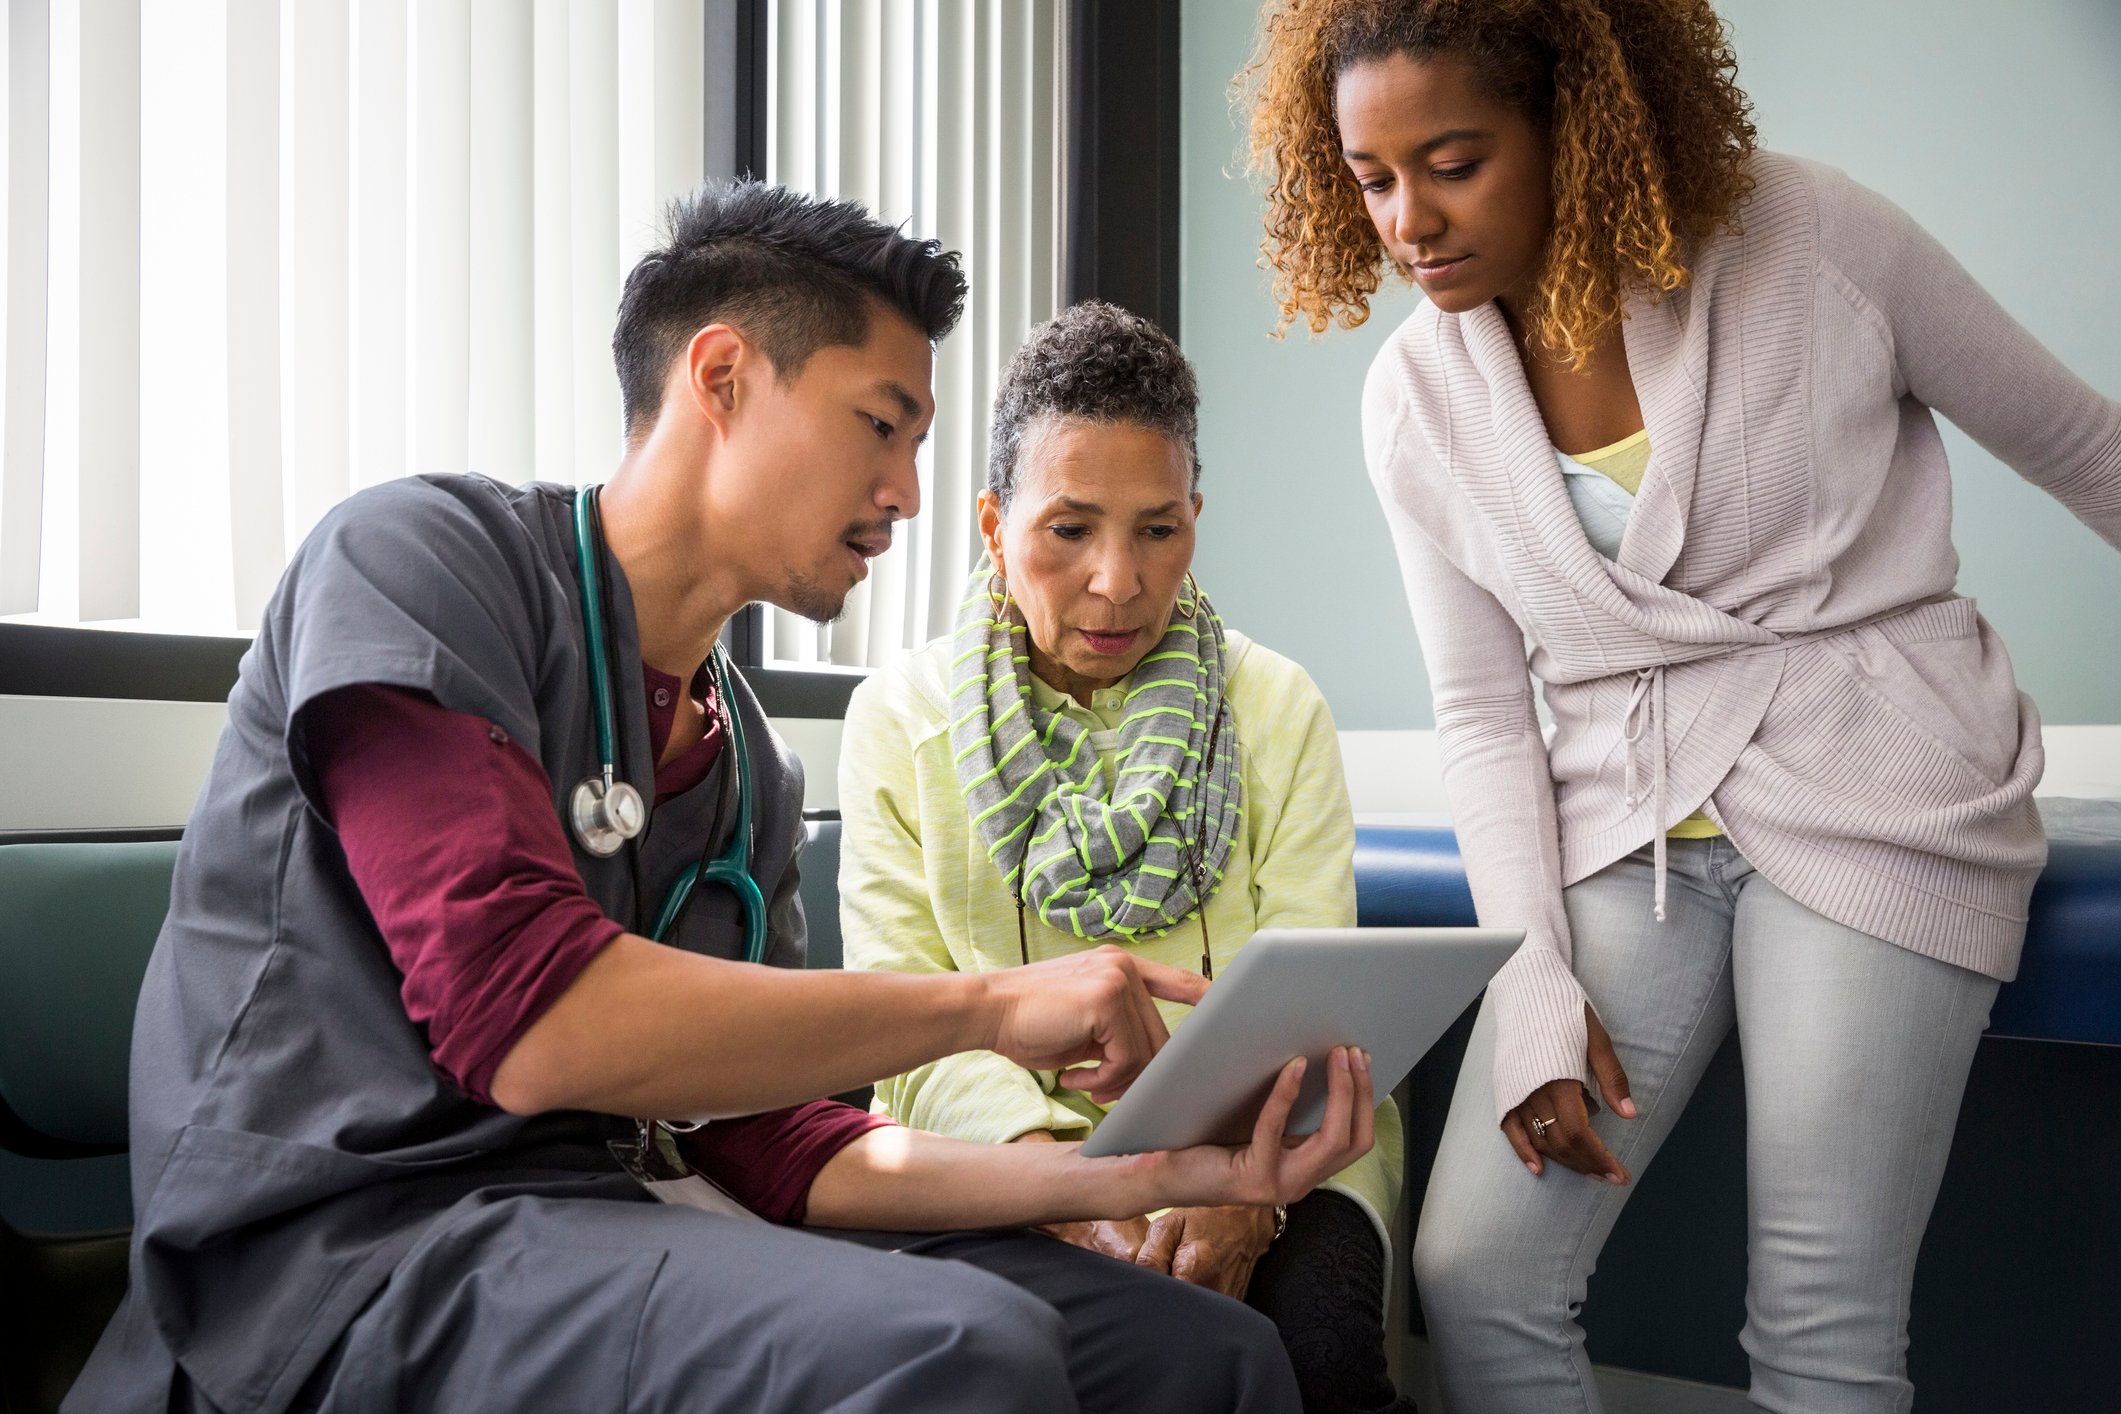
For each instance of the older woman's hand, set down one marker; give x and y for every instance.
(1212, 1247)
(1121, 1239)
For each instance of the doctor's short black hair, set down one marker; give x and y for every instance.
(796, 273)
(1093, 362)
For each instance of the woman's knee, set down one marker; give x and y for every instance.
(1444, 1268)
(1462, 1274)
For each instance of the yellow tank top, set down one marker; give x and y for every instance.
(1623, 463)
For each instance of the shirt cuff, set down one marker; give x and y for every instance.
(768, 1161)
(1540, 1033)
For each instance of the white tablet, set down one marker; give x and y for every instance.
(1300, 992)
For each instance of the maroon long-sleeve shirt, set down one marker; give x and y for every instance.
(475, 892)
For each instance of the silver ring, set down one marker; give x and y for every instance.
(1541, 1126)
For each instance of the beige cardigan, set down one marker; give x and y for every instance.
(1779, 641)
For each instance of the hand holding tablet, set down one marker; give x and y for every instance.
(1301, 992)
(1274, 1167)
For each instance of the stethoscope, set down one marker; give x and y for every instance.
(607, 813)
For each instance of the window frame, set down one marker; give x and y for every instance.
(1121, 243)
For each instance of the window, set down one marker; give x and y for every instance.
(259, 254)
(262, 253)
(946, 115)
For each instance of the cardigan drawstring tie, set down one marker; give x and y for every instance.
(1645, 716)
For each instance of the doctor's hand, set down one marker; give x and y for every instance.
(1212, 1247)
(1092, 1016)
(1554, 1122)
(1275, 1168)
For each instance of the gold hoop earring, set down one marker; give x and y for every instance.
(1001, 604)
(1191, 602)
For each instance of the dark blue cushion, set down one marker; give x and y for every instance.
(818, 881)
(1410, 876)
(77, 922)
(2068, 986)
(2069, 982)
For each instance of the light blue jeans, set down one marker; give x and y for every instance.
(1856, 1052)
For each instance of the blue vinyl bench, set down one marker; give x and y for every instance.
(2068, 986)
(2020, 1255)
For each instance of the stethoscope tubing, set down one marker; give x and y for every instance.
(732, 867)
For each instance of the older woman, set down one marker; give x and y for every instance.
(1082, 762)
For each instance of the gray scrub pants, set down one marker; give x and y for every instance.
(1856, 1052)
(567, 1305)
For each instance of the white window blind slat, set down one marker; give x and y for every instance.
(853, 34)
(636, 154)
(109, 371)
(680, 131)
(28, 282)
(593, 177)
(315, 257)
(921, 538)
(378, 261)
(792, 149)
(1041, 160)
(499, 301)
(982, 326)
(959, 447)
(59, 563)
(257, 527)
(184, 493)
(825, 177)
(884, 109)
(904, 69)
(378, 298)
(552, 243)
(439, 312)
(791, 134)
(1012, 155)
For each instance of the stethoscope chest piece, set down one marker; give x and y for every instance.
(606, 814)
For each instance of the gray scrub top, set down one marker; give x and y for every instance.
(290, 1139)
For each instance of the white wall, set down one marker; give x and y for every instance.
(1998, 126)
(85, 763)
(72, 763)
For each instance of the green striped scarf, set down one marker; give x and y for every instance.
(1093, 856)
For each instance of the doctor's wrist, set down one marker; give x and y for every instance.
(976, 1009)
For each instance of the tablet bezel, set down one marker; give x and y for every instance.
(1301, 991)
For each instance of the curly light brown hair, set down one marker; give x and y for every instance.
(1649, 133)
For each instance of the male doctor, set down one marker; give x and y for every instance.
(406, 1002)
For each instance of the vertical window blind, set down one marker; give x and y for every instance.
(262, 253)
(945, 115)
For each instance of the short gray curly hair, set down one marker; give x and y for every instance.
(1099, 363)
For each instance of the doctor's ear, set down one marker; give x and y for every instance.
(716, 361)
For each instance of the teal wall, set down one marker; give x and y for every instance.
(1998, 127)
